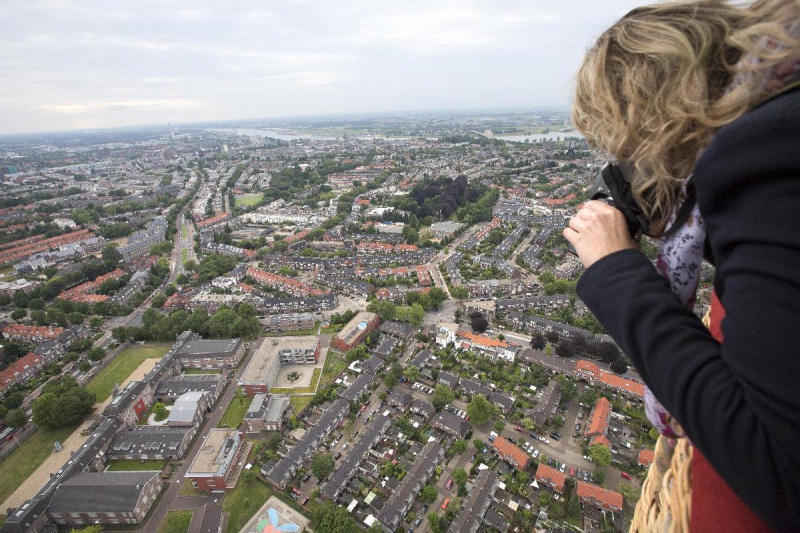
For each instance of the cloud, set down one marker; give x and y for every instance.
(70, 108)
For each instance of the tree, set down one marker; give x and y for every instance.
(330, 518)
(19, 314)
(322, 465)
(442, 396)
(538, 341)
(88, 529)
(75, 318)
(411, 373)
(428, 494)
(619, 366)
(39, 317)
(36, 303)
(16, 418)
(600, 454)
(558, 421)
(96, 354)
(96, 321)
(111, 255)
(630, 493)
(479, 410)
(434, 521)
(565, 348)
(20, 298)
(62, 403)
(460, 476)
(459, 447)
(478, 322)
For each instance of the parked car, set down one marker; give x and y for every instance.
(446, 503)
(448, 484)
(626, 475)
(563, 468)
(520, 429)
(572, 471)
(586, 476)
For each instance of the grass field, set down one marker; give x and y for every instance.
(201, 371)
(235, 413)
(27, 458)
(135, 465)
(183, 256)
(176, 522)
(299, 403)
(184, 233)
(122, 366)
(248, 200)
(335, 363)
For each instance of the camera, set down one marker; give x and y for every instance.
(613, 186)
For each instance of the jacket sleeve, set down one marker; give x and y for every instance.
(738, 402)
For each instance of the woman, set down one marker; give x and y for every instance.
(704, 96)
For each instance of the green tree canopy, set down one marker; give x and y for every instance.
(600, 454)
(480, 410)
(442, 395)
(322, 465)
(330, 518)
(62, 403)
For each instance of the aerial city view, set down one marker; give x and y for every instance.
(340, 319)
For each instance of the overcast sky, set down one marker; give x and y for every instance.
(90, 64)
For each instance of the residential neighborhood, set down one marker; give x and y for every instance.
(381, 330)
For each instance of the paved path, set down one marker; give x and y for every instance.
(52, 464)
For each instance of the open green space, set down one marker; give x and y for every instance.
(236, 410)
(122, 366)
(335, 363)
(248, 200)
(135, 465)
(18, 466)
(184, 233)
(176, 522)
(183, 256)
(248, 497)
(299, 403)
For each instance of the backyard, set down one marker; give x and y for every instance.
(135, 465)
(118, 370)
(177, 522)
(236, 410)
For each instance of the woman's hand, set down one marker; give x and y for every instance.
(596, 231)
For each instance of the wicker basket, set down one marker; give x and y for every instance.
(666, 501)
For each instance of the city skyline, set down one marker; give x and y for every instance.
(85, 66)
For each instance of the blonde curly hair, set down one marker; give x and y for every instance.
(657, 85)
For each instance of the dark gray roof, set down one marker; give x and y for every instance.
(349, 465)
(100, 492)
(358, 387)
(402, 498)
(396, 328)
(421, 359)
(286, 467)
(178, 385)
(373, 364)
(505, 401)
(473, 388)
(400, 398)
(208, 348)
(448, 378)
(451, 423)
(142, 440)
(476, 504)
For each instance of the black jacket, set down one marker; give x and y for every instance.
(738, 402)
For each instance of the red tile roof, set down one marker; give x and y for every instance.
(646, 457)
(511, 453)
(9, 376)
(550, 477)
(598, 425)
(21, 330)
(609, 379)
(599, 496)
